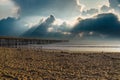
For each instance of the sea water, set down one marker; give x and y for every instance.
(95, 48)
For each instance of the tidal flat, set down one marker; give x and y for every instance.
(27, 64)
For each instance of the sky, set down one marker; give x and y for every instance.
(61, 19)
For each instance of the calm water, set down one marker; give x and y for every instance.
(84, 48)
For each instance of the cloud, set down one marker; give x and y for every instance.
(87, 9)
(105, 8)
(93, 3)
(47, 7)
(80, 6)
(8, 9)
(8, 27)
(106, 24)
(42, 28)
(91, 11)
(115, 4)
(47, 28)
(102, 25)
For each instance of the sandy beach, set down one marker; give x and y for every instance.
(24, 64)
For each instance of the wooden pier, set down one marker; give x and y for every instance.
(16, 42)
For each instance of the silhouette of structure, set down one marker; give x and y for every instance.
(16, 42)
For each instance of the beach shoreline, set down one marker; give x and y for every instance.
(44, 64)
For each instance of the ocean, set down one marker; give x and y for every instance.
(81, 47)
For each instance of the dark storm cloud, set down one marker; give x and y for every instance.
(106, 24)
(115, 4)
(90, 12)
(47, 7)
(8, 27)
(103, 24)
(41, 30)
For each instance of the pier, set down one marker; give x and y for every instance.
(15, 42)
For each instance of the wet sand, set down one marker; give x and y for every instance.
(24, 64)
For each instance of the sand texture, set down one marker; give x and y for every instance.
(23, 64)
